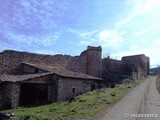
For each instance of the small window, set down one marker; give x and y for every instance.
(93, 87)
(73, 90)
(36, 71)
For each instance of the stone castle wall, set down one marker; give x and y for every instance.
(94, 61)
(136, 66)
(10, 61)
(78, 63)
(88, 62)
(138, 61)
(111, 65)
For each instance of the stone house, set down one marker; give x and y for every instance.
(39, 84)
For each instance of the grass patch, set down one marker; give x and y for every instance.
(158, 84)
(83, 107)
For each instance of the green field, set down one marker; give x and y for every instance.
(83, 107)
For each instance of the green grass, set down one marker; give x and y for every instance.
(158, 84)
(83, 107)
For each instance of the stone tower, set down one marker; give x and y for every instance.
(94, 61)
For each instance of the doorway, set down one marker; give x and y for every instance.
(93, 87)
(33, 94)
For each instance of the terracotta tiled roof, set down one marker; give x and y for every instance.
(63, 72)
(16, 78)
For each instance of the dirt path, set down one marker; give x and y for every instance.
(142, 103)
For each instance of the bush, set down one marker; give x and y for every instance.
(113, 85)
(113, 94)
(127, 80)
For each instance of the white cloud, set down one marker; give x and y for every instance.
(143, 40)
(49, 40)
(73, 31)
(134, 47)
(139, 8)
(156, 42)
(143, 6)
(36, 40)
(86, 43)
(111, 38)
(106, 38)
(88, 35)
(142, 32)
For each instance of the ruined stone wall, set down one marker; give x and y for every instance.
(78, 63)
(111, 65)
(139, 62)
(112, 70)
(10, 61)
(136, 66)
(89, 61)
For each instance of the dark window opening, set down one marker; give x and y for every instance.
(73, 90)
(93, 87)
(36, 71)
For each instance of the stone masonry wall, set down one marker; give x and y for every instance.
(15, 91)
(89, 61)
(140, 63)
(94, 61)
(10, 61)
(66, 86)
(136, 66)
(111, 65)
(9, 95)
(78, 63)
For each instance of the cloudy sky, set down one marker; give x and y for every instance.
(121, 27)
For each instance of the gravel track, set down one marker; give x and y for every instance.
(142, 103)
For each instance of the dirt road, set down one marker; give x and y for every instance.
(142, 103)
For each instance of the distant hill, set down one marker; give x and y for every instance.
(155, 70)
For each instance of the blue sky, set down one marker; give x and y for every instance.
(121, 27)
